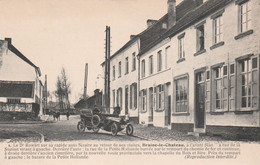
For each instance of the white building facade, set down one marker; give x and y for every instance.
(214, 61)
(20, 86)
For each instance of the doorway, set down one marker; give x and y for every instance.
(200, 100)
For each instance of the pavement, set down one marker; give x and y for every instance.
(152, 133)
(48, 129)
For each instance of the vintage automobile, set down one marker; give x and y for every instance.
(94, 119)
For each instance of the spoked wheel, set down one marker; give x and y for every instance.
(95, 121)
(114, 129)
(81, 126)
(95, 130)
(129, 129)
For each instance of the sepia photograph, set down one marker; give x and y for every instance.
(130, 81)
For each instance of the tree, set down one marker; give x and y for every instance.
(63, 90)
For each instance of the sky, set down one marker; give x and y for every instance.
(69, 33)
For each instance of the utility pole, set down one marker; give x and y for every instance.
(85, 82)
(107, 71)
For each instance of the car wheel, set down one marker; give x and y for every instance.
(95, 121)
(129, 129)
(114, 129)
(81, 126)
(95, 130)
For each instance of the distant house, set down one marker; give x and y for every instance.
(90, 102)
(20, 86)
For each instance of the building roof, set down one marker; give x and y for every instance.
(13, 49)
(155, 31)
(189, 19)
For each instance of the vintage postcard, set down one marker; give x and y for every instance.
(130, 81)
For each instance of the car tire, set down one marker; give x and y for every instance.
(95, 121)
(129, 129)
(114, 129)
(81, 126)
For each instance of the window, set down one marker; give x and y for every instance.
(126, 65)
(200, 38)
(248, 83)
(244, 16)
(143, 69)
(119, 98)
(159, 61)
(119, 69)
(143, 100)
(181, 94)
(160, 97)
(217, 29)
(133, 96)
(114, 97)
(220, 88)
(167, 50)
(14, 101)
(133, 62)
(114, 72)
(151, 64)
(181, 48)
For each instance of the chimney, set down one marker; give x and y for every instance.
(132, 36)
(171, 13)
(9, 40)
(150, 22)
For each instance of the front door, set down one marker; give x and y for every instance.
(200, 100)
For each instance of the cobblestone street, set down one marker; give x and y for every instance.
(65, 130)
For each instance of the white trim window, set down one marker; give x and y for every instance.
(133, 96)
(181, 51)
(119, 69)
(181, 94)
(217, 29)
(244, 17)
(200, 38)
(220, 88)
(248, 83)
(159, 61)
(143, 100)
(119, 98)
(126, 65)
(114, 72)
(160, 97)
(143, 69)
(151, 64)
(133, 62)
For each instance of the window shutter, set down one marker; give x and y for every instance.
(131, 94)
(155, 98)
(163, 96)
(135, 96)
